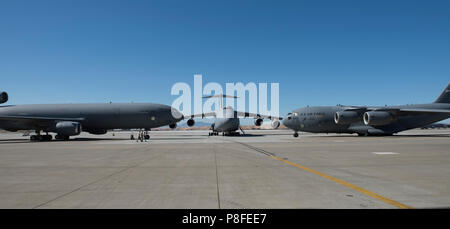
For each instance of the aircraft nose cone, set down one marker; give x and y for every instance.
(287, 121)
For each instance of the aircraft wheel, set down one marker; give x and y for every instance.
(47, 138)
(33, 138)
(62, 137)
(295, 135)
(147, 137)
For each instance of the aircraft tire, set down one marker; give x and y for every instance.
(295, 135)
(62, 137)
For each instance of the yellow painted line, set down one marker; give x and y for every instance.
(344, 183)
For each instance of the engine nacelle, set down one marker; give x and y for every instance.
(97, 132)
(258, 122)
(377, 118)
(173, 126)
(346, 117)
(68, 128)
(275, 124)
(3, 97)
(190, 122)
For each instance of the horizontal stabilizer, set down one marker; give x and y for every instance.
(220, 96)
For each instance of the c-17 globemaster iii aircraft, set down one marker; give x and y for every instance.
(71, 119)
(366, 121)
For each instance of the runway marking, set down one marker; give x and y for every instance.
(384, 153)
(349, 185)
(334, 179)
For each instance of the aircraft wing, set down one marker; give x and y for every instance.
(247, 114)
(39, 121)
(202, 115)
(358, 108)
(417, 110)
(397, 110)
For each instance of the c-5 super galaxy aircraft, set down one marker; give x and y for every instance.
(366, 121)
(71, 119)
(227, 119)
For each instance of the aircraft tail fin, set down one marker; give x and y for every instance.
(445, 96)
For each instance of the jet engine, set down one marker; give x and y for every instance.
(377, 118)
(173, 126)
(97, 132)
(346, 117)
(3, 97)
(68, 128)
(258, 122)
(190, 122)
(275, 124)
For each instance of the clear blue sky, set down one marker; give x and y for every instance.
(321, 52)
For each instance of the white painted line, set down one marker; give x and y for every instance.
(384, 153)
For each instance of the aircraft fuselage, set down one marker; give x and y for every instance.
(95, 116)
(320, 119)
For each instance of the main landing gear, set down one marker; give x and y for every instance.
(62, 137)
(235, 133)
(38, 137)
(295, 135)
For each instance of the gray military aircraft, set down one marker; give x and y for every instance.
(227, 119)
(71, 119)
(366, 121)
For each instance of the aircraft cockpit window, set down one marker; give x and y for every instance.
(295, 114)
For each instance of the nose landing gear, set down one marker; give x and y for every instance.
(295, 135)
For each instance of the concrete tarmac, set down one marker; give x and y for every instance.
(265, 169)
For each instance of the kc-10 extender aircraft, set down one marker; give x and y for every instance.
(366, 121)
(71, 119)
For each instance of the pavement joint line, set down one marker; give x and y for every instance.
(331, 178)
(98, 180)
(217, 176)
